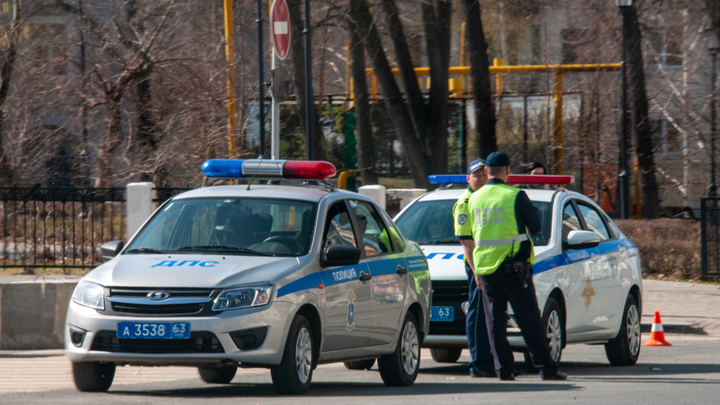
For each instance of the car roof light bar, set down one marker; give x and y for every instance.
(265, 168)
(447, 179)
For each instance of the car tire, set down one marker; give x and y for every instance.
(92, 376)
(400, 369)
(624, 349)
(554, 328)
(450, 355)
(294, 373)
(360, 364)
(217, 375)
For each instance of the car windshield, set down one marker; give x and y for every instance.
(243, 226)
(431, 222)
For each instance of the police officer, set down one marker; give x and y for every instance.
(501, 218)
(481, 364)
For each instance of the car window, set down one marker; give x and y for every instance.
(338, 228)
(375, 236)
(398, 245)
(268, 226)
(428, 222)
(571, 221)
(542, 238)
(594, 222)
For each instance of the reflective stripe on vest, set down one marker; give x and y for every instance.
(501, 242)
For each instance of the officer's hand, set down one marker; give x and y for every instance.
(478, 282)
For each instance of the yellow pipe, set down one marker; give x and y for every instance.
(464, 70)
(558, 96)
(230, 63)
(373, 88)
(497, 62)
(344, 176)
(347, 72)
(465, 84)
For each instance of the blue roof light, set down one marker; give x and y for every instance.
(224, 168)
(448, 179)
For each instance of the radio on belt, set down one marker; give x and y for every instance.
(262, 168)
(512, 179)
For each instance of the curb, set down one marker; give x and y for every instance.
(675, 328)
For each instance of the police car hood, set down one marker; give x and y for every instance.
(208, 271)
(446, 261)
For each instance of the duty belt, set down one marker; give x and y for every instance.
(502, 242)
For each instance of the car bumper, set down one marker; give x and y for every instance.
(460, 341)
(273, 317)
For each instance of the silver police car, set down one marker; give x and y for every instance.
(278, 276)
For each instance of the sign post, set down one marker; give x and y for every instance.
(280, 28)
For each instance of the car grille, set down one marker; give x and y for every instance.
(199, 342)
(450, 290)
(160, 309)
(449, 293)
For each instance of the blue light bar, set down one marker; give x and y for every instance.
(448, 179)
(224, 168)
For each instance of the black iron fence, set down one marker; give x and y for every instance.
(710, 236)
(58, 227)
(166, 193)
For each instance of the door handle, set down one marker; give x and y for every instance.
(401, 270)
(364, 276)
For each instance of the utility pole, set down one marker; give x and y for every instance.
(84, 153)
(261, 84)
(309, 105)
(624, 189)
(230, 66)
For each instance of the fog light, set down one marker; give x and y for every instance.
(77, 336)
(465, 305)
(249, 339)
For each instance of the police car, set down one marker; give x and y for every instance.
(587, 272)
(284, 277)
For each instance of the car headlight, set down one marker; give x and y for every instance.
(242, 298)
(90, 295)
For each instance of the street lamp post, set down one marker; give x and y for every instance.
(309, 105)
(623, 5)
(712, 190)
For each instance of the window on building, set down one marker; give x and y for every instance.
(50, 48)
(664, 48)
(667, 139)
(576, 47)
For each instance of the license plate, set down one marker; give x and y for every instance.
(442, 314)
(153, 330)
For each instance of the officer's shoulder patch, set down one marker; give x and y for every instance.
(462, 218)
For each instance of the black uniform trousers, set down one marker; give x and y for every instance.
(499, 288)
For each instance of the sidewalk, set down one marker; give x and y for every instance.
(684, 307)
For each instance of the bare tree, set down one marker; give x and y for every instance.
(7, 58)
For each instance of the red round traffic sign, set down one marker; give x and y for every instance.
(280, 25)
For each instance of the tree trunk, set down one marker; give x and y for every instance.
(394, 102)
(112, 142)
(640, 121)
(7, 177)
(436, 18)
(297, 57)
(480, 79)
(364, 138)
(146, 129)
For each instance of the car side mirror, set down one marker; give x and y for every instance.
(581, 240)
(111, 249)
(340, 255)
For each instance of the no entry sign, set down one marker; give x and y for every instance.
(280, 25)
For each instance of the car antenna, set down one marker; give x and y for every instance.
(261, 157)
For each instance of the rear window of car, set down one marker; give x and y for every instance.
(431, 222)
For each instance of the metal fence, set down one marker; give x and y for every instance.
(710, 236)
(166, 193)
(58, 227)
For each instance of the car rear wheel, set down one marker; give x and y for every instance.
(93, 376)
(360, 364)
(294, 373)
(450, 355)
(401, 368)
(217, 375)
(554, 328)
(624, 349)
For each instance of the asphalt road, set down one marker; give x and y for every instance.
(687, 372)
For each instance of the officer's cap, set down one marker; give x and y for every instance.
(498, 159)
(476, 165)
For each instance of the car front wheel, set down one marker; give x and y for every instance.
(217, 375)
(294, 373)
(552, 318)
(624, 349)
(401, 368)
(360, 364)
(446, 355)
(92, 376)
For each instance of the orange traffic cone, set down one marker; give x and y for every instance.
(657, 335)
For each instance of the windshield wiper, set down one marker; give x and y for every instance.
(231, 249)
(148, 249)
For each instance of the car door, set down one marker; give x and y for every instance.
(348, 300)
(386, 261)
(583, 306)
(608, 290)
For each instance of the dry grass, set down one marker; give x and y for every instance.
(669, 248)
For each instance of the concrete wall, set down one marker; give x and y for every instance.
(32, 311)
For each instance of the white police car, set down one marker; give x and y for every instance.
(587, 272)
(277, 276)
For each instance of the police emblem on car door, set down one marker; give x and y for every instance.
(351, 311)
